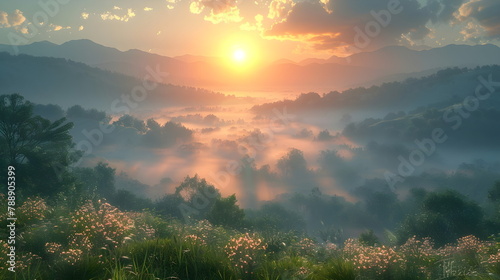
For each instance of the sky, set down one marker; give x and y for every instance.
(264, 29)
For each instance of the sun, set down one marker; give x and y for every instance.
(239, 55)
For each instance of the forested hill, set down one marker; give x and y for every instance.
(442, 89)
(59, 81)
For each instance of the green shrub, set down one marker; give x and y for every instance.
(336, 269)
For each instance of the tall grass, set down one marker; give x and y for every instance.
(97, 241)
(170, 258)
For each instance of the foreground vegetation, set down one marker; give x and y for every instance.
(98, 241)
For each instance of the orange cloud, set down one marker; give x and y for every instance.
(484, 12)
(335, 25)
(218, 10)
(15, 19)
(123, 17)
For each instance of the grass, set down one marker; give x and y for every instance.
(170, 259)
(167, 249)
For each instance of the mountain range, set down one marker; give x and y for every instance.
(335, 73)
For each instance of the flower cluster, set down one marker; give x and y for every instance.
(494, 258)
(53, 248)
(71, 256)
(194, 239)
(142, 229)
(379, 259)
(213, 235)
(471, 244)
(493, 262)
(102, 223)
(81, 242)
(331, 246)
(418, 254)
(352, 247)
(372, 259)
(244, 251)
(416, 250)
(24, 260)
(306, 246)
(302, 272)
(33, 209)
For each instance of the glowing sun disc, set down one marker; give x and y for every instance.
(239, 55)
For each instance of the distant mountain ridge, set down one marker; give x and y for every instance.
(335, 73)
(419, 60)
(45, 80)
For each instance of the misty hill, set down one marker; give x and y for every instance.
(442, 89)
(386, 64)
(480, 129)
(59, 81)
(401, 59)
(131, 62)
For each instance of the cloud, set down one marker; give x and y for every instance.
(279, 9)
(147, 9)
(55, 27)
(444, 9)
(23, 29)
(191, 149)
(11, 20)
(225, 148)
(196, 7)
(85, 15)
(247, 26)
(209, 120)
(472, 32)
(484, 12)
(170, 5)
(336, 24)
(218, 10)
(80, 28)
(123, 17)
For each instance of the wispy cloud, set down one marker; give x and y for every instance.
(119, 17)
(55, 27)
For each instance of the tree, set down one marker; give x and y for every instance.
(494, 193)
(78, 112)
(274, 216)
(384, 207)
(130, 121)
(444, 217)
(100, 179)
(168, 206)
(493, 209)
(225, 212)
(167, 135)
(198, 197)
(36, 147)
(127, 201)
(293, 168)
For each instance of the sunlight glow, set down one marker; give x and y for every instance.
(242, 57)
(239, 55)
